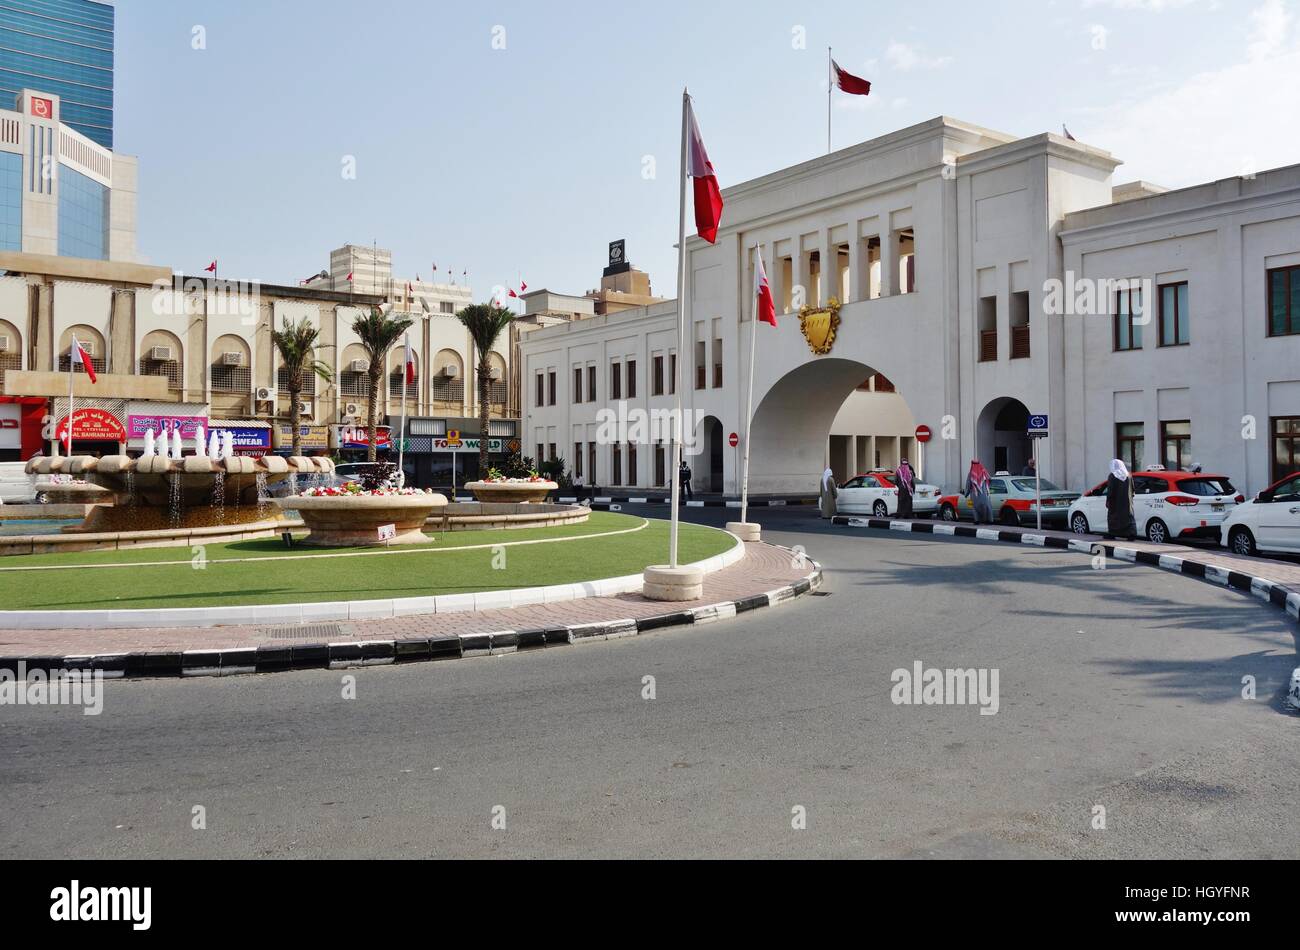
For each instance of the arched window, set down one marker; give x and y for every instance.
(11, 349)
(160, 355)
(397, 375)
(91, 340)
(448, 386)
(354, 382)
(499, 386)
(231, 365)
(309, 377)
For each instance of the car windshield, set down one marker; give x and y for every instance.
(1205, 487)
(1027, 484)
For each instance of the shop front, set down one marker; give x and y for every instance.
(353, 443)
(99, 427)
(180, 418)
(312, 440)
(438, 455)
(250, 438)
(20, 427)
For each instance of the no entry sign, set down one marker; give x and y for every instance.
(733, 440)
(923, 434)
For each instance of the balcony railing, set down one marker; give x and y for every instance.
(988, 346)
(1020, 342)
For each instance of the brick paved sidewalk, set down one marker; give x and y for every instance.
(764, 568)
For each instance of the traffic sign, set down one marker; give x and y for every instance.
(923, 434)
(1038, 426)
(733, 440)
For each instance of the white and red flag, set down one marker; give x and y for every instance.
(847, 82)
(410, 362)
(764, 305)
(82, 358)
(708, 196)
(211, 268)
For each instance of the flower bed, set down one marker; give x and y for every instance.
(342, 517)
(511, 490)
(355, 490)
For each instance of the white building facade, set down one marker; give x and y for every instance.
(946, 246)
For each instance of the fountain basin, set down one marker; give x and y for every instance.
(355, 520)
(60, 493)
(511, 492)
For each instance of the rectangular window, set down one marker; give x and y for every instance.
(616, 464)
(1128, 308)
(661, 466)
(631, 463)
(615, 380)
(591, 462)
(541, 391)
(1130, 443)
(717, 364)
(577, 459)
(1174, 330)
(1284, 301)
(700, 369)
(631, 379)
(1286, 446)
(550, 378)
(1177, 440)
(540, 457)
(553, 454)
(672, 374)
(988, 328)
(577, 384)
(591, 384)
(657, 376)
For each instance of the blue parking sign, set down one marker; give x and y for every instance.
(1038, 426)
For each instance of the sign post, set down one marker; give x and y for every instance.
(923, 437)
(1038, 429)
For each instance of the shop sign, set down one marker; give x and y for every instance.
(92, 425)
(311, 437)
(187, 426)
(250, 441)
(468, 446)
(358, 437)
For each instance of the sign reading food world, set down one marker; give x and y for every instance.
(92, 425)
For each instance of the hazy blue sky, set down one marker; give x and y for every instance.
(529, 159)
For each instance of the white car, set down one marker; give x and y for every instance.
(1269, 523)
(876, 494)
(1167, 506)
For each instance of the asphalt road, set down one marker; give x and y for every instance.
(1119, 689)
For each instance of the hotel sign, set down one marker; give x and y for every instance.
(92, 425)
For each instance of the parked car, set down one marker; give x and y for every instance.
(875, 493)
(1167, 506)
(1012, 499)
(1271, 522)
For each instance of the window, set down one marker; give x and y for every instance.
(631, 379)
(616, 464)
(672, 374)
(552, 455)
(540, 457)
(1128, 309)
(631, 463)
(445, 389)
(1284, 301)
(541, 391)
(447, 306)
(231, 379)
(591, 462)
(550, 379)
(661, 465)
(356, 384)
(700, 358)
(1286, 446)
(577, 384)
(11, 201)
(883, 384)
(717, 364)
(1130, 442)
(397, 382)
(1173, 315)
(657, 376)
(281, 379)
(591, 384)
(83, 216)
(97, 362)
(577, 459)
(1020, 326)
(988, 326)
(1177, 440)
(615, 380)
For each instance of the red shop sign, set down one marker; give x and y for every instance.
(92, 425)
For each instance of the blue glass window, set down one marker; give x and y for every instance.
(83, 216)
(11, 201)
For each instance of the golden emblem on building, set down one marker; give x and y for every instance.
(819, 325)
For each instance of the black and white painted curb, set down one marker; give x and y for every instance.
(601, 501)
(334, 656)
(1279, 595)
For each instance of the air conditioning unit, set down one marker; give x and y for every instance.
(496, 373)
(451, 371)
(160, 354)
(265, 395)
(352, 409)
(4, 344)
(232, 359)
(304, 409)
(359, 366)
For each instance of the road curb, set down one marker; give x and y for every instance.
(238, 661)
(1279, 595)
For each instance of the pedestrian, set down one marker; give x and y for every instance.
(829, 492)
(1031, 468)
(977, 490)
(684, 474)
(1120, 522)
(905, 480)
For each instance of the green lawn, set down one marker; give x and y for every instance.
(266, 572)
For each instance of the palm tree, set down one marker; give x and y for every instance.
(378, 332)
(296, 344)
(484, 321)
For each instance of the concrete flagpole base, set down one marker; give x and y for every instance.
(745, 530)
(673, 583)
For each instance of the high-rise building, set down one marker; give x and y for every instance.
(62, 47)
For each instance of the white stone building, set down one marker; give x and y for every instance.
(947, 245)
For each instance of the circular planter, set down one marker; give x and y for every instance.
(519, 493)
(354, 521)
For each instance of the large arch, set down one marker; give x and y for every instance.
(1002, 435)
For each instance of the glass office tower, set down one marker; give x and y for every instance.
(63, 47)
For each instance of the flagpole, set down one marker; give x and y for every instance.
(71, 380)
(401, 445)
(749, 398)
(675, 514)
(830, 85)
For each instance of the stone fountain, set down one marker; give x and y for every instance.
(162, 490)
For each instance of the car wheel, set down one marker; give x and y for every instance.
(880, 510)
(1157, 532)
(948, 513)
(1010, 517)
(1242, 542)
(1079, 523)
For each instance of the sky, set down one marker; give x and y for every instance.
(516, 139)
